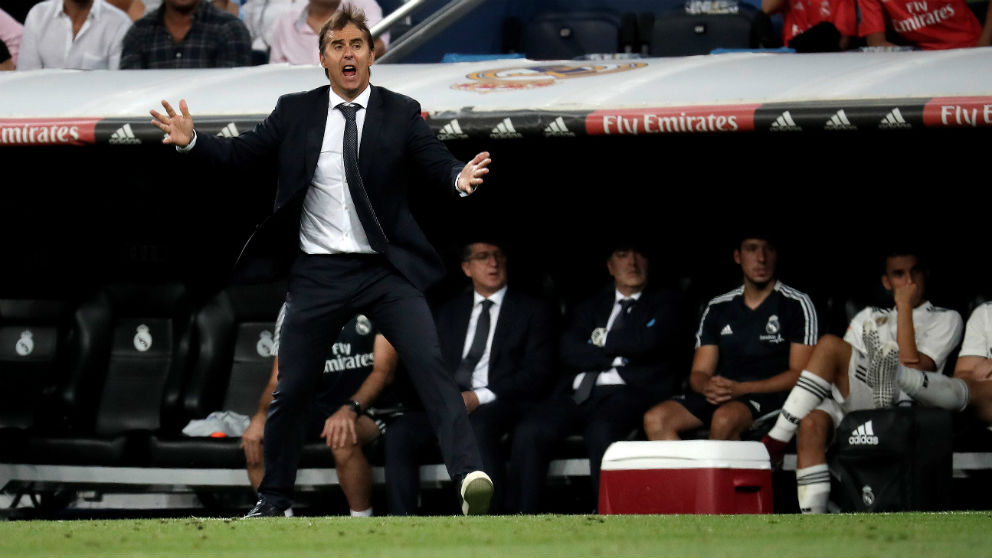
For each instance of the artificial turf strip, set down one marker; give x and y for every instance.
(944, 534)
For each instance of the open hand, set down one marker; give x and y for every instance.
(178, 128)
(339, 429)
(471, 176)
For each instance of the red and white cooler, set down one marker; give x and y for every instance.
(687, 476)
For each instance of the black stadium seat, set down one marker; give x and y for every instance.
(35, 337)
(566, 35)
(234, 334)
(678, 33)
(127, 378)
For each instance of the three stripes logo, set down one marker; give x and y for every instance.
(451, 130)
(785, 123)
(229, 131)
(124, 136)
(726, 330)
(839, 121)
(557, 128)
(505, 130)
(894, 120)
(863, 435)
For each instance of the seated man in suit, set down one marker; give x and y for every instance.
(619, 354)
(360, 364)
(498, 344)
(751, 345)
(971, 385)
(860, 372)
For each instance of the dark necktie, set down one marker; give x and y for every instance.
(588, 382)
(359, 197)
(463, 376)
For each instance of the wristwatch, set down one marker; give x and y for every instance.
(354, 406)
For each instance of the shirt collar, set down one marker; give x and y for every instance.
(362, 100)
(59, 10)
(620, 296)
(496, 297)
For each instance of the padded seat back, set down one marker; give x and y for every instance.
(677, 33)
(33, 337)
(140, 338)
(235, 331)
(564, 35)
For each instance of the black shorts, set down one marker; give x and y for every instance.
(381, 418)
(758, 403)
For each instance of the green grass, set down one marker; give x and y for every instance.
(910, 534)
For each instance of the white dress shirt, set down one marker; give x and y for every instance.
(609, 377)
(48, 40)
(480, 376)
(329, 223)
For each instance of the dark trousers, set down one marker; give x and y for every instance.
(409, 442)
(609, 415)
(325, 291)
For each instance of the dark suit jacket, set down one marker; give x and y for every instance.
(520, 357)
(650, 340)
(397, 147)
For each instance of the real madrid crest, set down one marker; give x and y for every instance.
(264, 344)
(142, 338)
(772, 327)
(363, 326)
(25, 345)
(598, 337)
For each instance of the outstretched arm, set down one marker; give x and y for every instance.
(178, 128)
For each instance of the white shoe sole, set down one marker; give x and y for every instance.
(476, 493)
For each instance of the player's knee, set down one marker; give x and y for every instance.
(346, 453)
(654, 421)
(727, 423)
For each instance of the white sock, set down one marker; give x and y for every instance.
(362, 513)
(813, 488)
(809, 392)
(933, 389)
(288, 512)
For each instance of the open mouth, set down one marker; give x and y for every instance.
(349, 71)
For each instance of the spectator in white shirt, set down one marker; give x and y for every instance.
(75, 34)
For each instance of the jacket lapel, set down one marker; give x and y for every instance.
(370, 132)
(315, 131)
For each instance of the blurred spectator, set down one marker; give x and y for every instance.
(497, 342)
(10, 35)
(186, 34)
(134, 9)
(619, 353)
(860, 372)
(360, 363)
(972, 381)
(815, 25)
(76, 34)
(294, 36)
(924, 24)
(751, 345)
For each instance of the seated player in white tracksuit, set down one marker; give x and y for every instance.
(971, 385)
(860, 372)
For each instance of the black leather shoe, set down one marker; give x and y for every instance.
(265, 509)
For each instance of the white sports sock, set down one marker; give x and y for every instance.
(813, 488)
(362, 513)
(288, 512)
(809, 392)
(933, 389)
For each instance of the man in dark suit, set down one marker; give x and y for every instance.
(498, 345)
(618, 352)
(345, 155)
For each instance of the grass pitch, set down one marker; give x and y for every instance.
(909, 534)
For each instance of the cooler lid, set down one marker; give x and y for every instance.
(686, 454)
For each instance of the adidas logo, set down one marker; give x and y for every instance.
(785, 123)
(451, 130)
(726, 330)
(504, 130)
(557, 128)
(839, 121)
(124, 136)
(229, 131)
(894, 119)
(863, 435)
